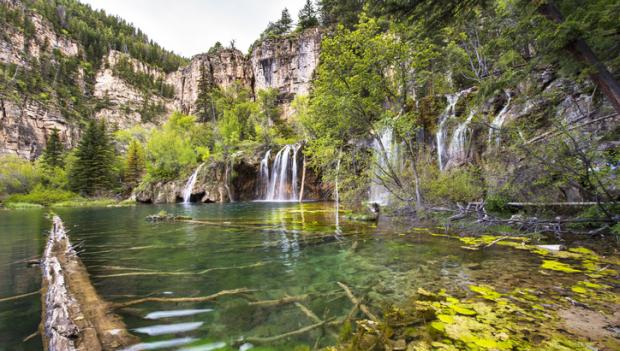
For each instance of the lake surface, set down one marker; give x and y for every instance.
(267, 247)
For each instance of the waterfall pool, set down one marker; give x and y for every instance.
(270, 248)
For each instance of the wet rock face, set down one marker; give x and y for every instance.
(287, 64)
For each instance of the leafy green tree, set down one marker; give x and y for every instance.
(307, 17)
(17, 175)
(54, 150)
(92, 172)
(172, 148)
(135, 164)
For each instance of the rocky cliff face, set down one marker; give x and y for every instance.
(227, 66)
(25, 126)
(287, 64)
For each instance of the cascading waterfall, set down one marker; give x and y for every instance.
(281, 182)
(498, 121)
(457, 151)
(442, 132)
(378, 193)
(264, 174)
(189, 185)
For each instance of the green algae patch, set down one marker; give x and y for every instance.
(486, 292)
(558, 266)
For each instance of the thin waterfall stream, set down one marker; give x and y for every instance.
(189, 186)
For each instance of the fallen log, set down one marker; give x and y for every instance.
(74, 317)
(270, 339)
(357, 302)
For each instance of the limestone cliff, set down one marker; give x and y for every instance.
(286, 64)
(227, 66)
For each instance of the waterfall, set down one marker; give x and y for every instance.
(442, 132)
(457, 151)
(264, 174)
(378, 193)
(189, 185)
(294, 178)
(498, 121)
(281, 182)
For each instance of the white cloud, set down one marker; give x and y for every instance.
(190, 27)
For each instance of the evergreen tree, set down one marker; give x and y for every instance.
(307, 16)
(204, 100)
(53, 153)
(135, 164)
(92, 172)
(284, 24)
(215, 48)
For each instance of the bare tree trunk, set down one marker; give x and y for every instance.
(580, 49)
(303, 180)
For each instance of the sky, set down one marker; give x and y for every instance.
(190, 27)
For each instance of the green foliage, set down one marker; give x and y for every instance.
(217, 47)
(21, 206)
(170, 149)
(147, 83)
(92, 171)
(307, 17)
(280, 27)
(17, 175)
(456, 185)
(98, 32)
(205, 104)
(42, 196)
(53, 153)
(135, 164)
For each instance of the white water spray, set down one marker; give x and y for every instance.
(281, 181)
(189, 185)
(498, 121)
(385, 160)
(457, 149)
(442, 132)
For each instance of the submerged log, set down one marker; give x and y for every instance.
(74, 317)
(212, 297)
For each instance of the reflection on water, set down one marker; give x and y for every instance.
(277, 250)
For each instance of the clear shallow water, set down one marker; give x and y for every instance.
(259, 246)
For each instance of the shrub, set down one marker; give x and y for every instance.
(497, 202)
(42, 196)
(17, 175)
(455, 185)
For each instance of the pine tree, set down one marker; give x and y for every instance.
(92, 172)
(204, 100)
(307, 16)
(53, 153)
(285, 23)
(134, 164)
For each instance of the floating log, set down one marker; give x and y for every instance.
(74, 317)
